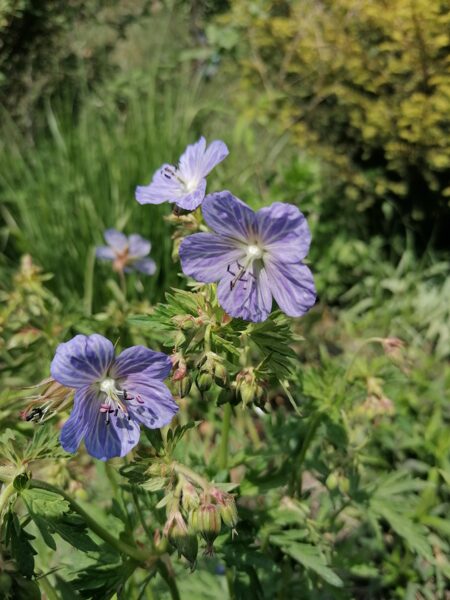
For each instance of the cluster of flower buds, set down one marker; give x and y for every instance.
(198, 511)
(211, 370)
(185, 224)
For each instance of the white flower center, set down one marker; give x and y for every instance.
(108, 386)
(254, 251)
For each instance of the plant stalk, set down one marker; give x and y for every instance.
(223, 450)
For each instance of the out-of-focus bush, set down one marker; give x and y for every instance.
(365, 85)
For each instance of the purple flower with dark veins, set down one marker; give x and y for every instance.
(254, 255)
(127, 253)
(113, 396)
(184, 184)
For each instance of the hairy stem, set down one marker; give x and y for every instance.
(6, 494)
(165, 570)
(223, 450)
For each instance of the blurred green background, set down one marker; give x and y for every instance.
(340, 107)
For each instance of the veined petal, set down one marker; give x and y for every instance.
(214, 154)
(163, 188)
(143, 265)
(248, 297)
(190, 164)
(138, 247)
(150, 401)
(108, 439)
(140, 358)
(82, 361)
(292, 286)
(284, 231)
(105, 253)
(116, 239)
(206, 256)
(76, 425)
(190, 201)
(228, 216)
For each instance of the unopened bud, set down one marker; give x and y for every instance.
(185, 542)
(228, 512)
(332, 481)
(185, 386)
(209, 522)
(193, 521)
(220, 374)
(247, 392)
(344, 484)
(204, 381)
(160, 542)
(190, 499)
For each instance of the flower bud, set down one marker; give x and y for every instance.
(220, 374)
(204, 381)
(228, 512)
(247, 392)
(193, 521)
(190, 499)
(185, 542)
(160, 542)
(185, 386)
(209, 522)
(332, 481)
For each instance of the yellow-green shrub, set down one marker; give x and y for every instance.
(365, 84)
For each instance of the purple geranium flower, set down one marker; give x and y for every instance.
(185, 184)
(253, 255)
(127, 253)
(112, 395)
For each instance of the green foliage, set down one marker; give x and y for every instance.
(367, 88)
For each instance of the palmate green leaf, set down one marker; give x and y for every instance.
(102, 579)
(273, 338)
(44, 503)
(309, 556)
(413, 533)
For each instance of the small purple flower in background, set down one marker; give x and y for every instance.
(254, 256)
(185, 184)
(127, 253)
(112, 395)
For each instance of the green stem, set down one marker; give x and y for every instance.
(296, 481)
(47, 587)
(223, 450)
(6, 494)
(123, 284)
(94, 525)
(137, 505)
(166, 573)
(192, 475)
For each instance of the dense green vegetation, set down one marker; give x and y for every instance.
(343, 480)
